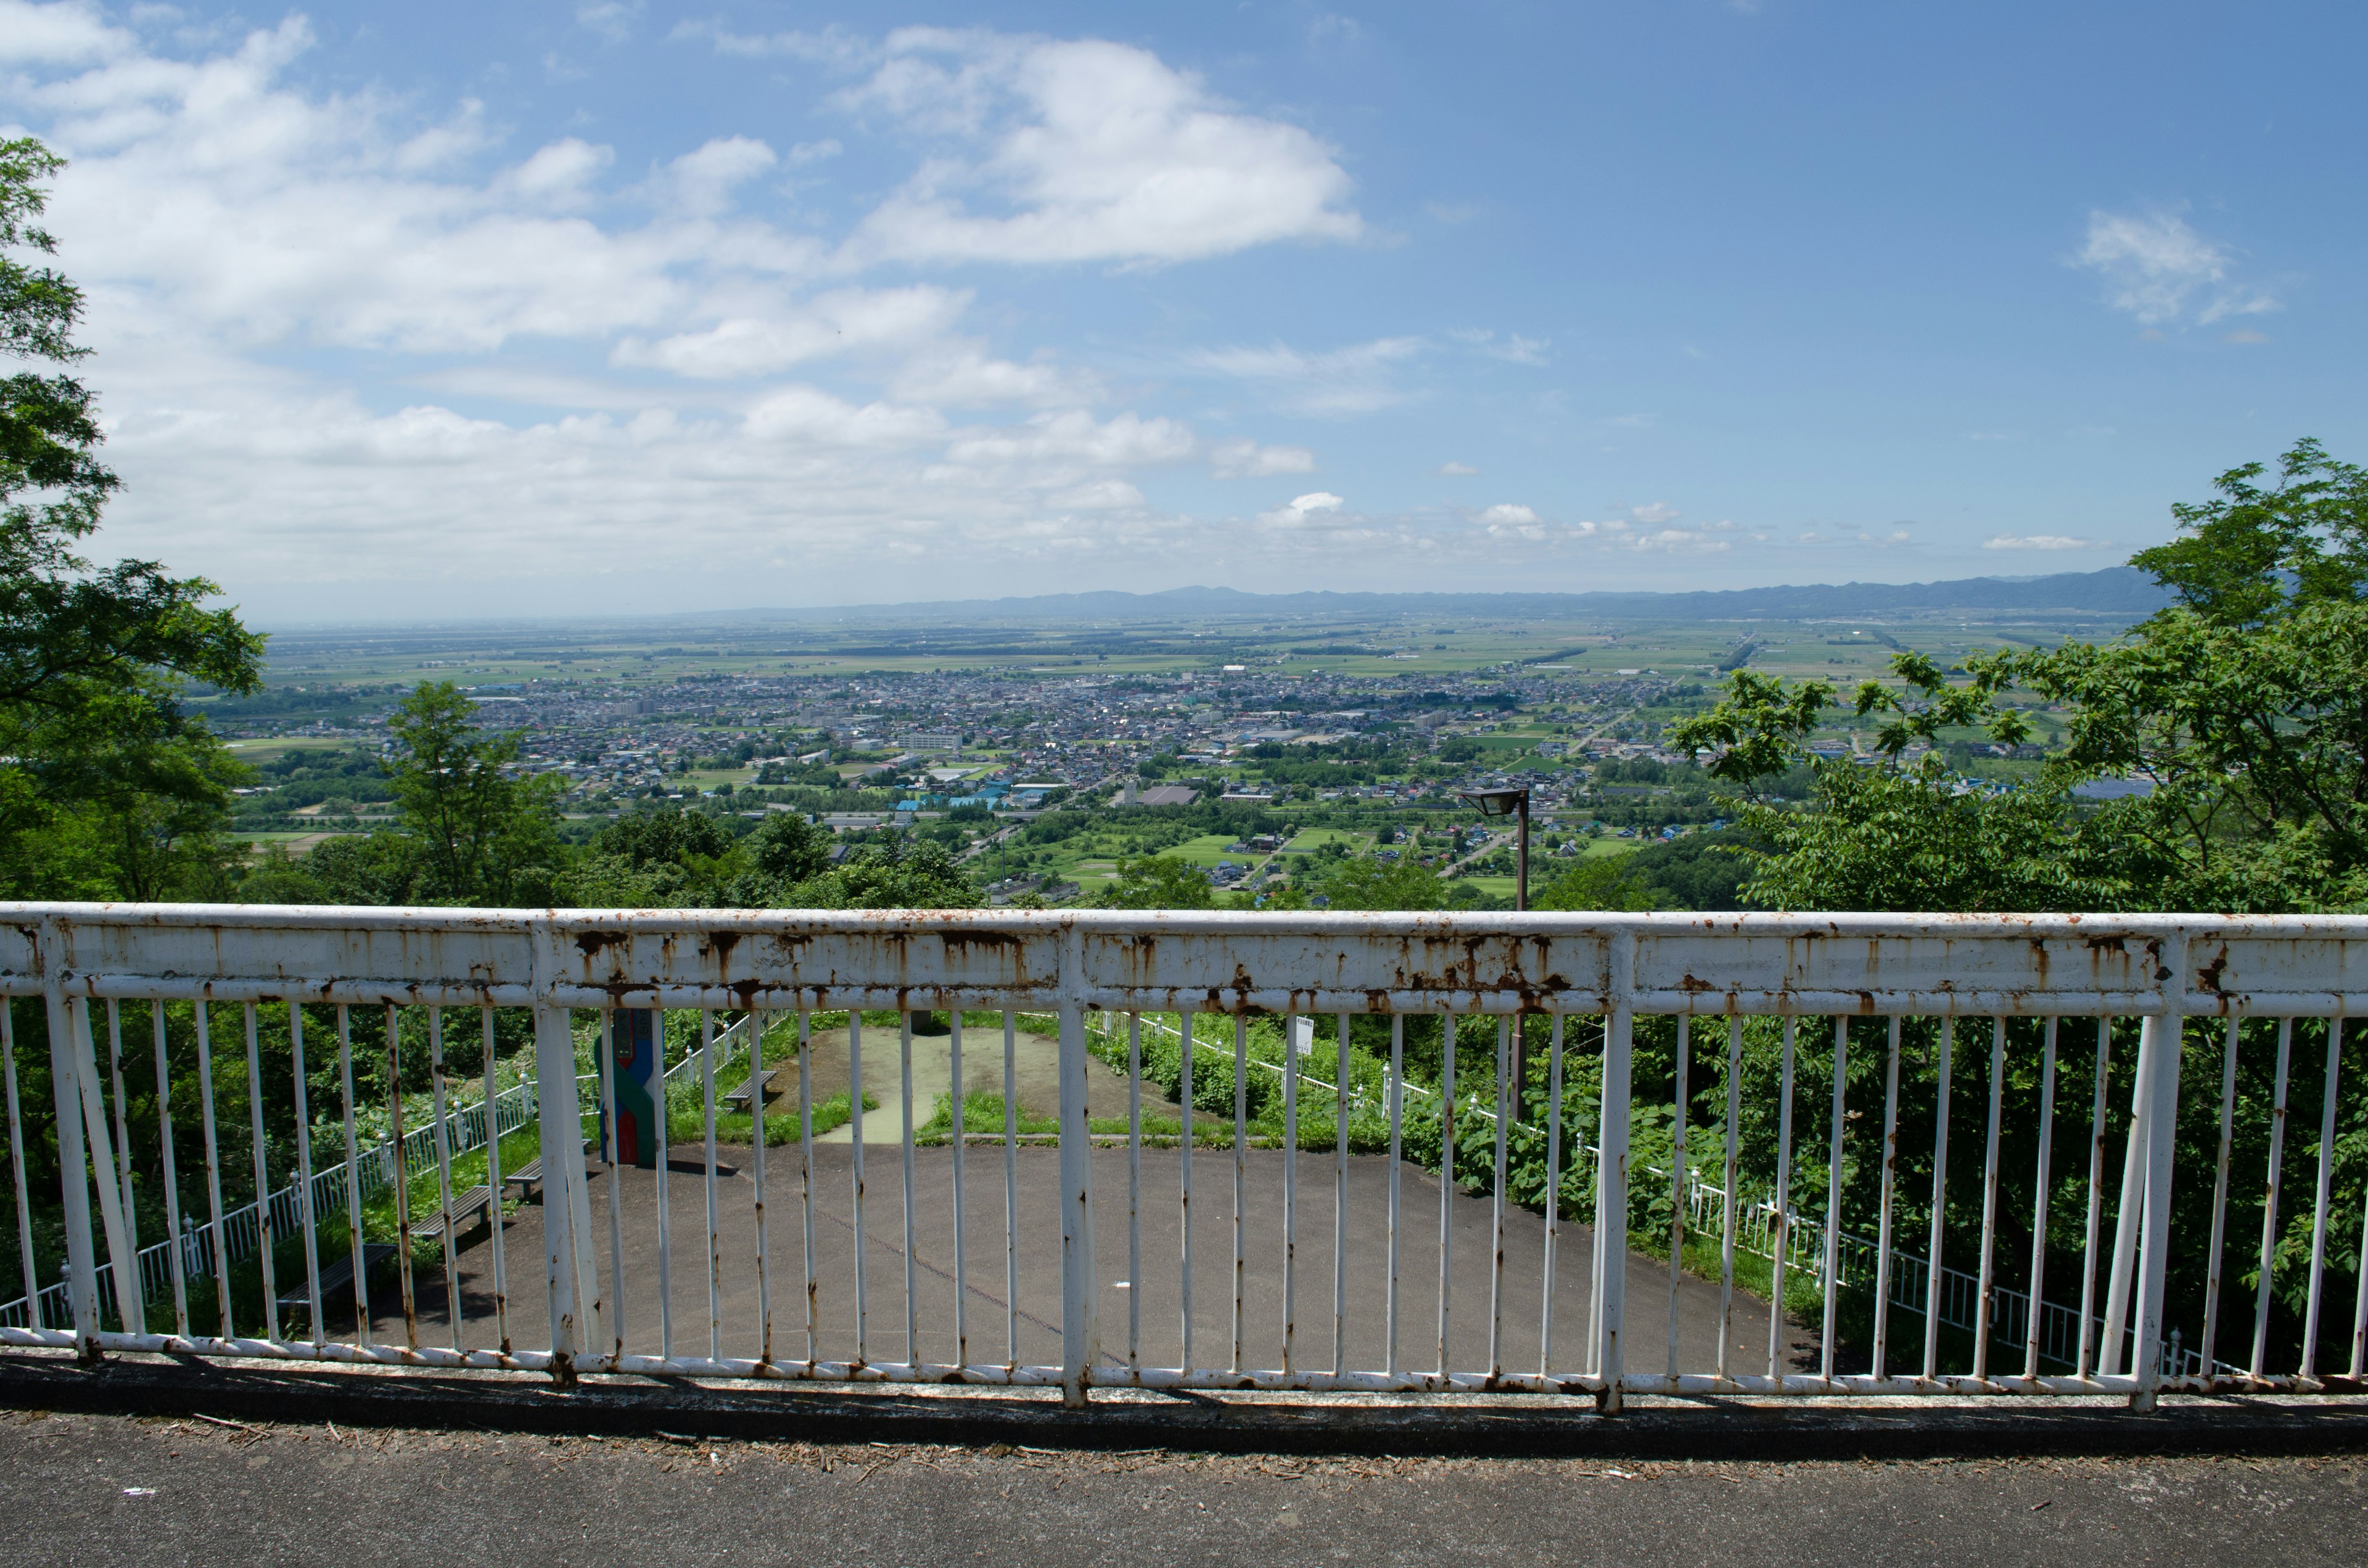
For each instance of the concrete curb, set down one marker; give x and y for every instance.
(1475, 1426)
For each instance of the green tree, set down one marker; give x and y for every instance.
(1599, 883)
(111, 787)
(1368, 882)
(484, 833)
(1156, 881)
(892, 872)
(2243, 706)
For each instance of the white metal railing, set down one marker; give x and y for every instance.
(1468, 1304)
(1802, 1234)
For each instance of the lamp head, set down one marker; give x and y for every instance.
(1495, 802)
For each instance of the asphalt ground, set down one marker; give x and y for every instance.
(1010, 1282)
(106, 1489)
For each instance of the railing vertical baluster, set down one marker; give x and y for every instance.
(1934, 1279)
(443, 1169)
(1341, 1203)
(2035, 1310)
(1080, 1283)
(264, 1245)
(2360, 1304)
(2153, 1271)
(1727, 1224)
(2209, 1344)
(1134, 1197)
(757, 1023)
(2309, 1370)
(1610, 1281)
(2270, 1203)
(1445, 1184)
(1678, 1172)
(1289, 1193)
(1397, 1159)
(74, 1091)
(905, 1100)
(2086, 1360)
(855, 1134)
(1502, 1084)
(1448, 1176)
(1184, 1179)
(1784, 1203)
(1553, 1195)
(611, 1144)
(1011, 1192)
(133, 1314)
(17, 1164)
(663, 1117)
(493, 1185)
(962, 1229)
(353, 1175)
(1988, 1277)
(402, 1183)
(1241, 1167)
(714, 1224)
(175, 1262)
(1878, 1366)
(309, 1220)
(1832, 1263)
(805, 1180)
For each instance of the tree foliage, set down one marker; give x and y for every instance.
(112, 787)
(2241, 709)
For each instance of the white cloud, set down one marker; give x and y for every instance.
(361, 353)
(1653, 513)
(839, 322)
(808, 417)
(2040, 541)
(612, 20)
(1245, 459)
(1506, 513)
(1076, 436)
(57, 35)
(833, 45)
(1520, 350)
(1356, 380)
(1303, 509)
(961, 374)
(2154, 264)
(1084, 151)
(1458, 470)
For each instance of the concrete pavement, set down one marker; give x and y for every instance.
(106, 1490)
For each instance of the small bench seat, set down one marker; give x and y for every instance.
(337, 1278)
(742, 1094)
(465, 1206)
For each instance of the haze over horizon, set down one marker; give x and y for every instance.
(645, 308)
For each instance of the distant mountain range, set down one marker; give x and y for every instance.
(2118, 592)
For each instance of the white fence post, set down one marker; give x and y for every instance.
(1080, 1326)
(566, 1203)
(65, 1086)
(2165, 1038)
(1612, 1171)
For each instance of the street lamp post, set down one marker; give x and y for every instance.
(1513, 802)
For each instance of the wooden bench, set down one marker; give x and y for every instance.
(530, 1175)
(336, 1280)
(465, 1206)
(741, 1094)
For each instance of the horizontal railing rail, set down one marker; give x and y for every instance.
(786, 1276)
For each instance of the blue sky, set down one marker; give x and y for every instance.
(455, 310)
